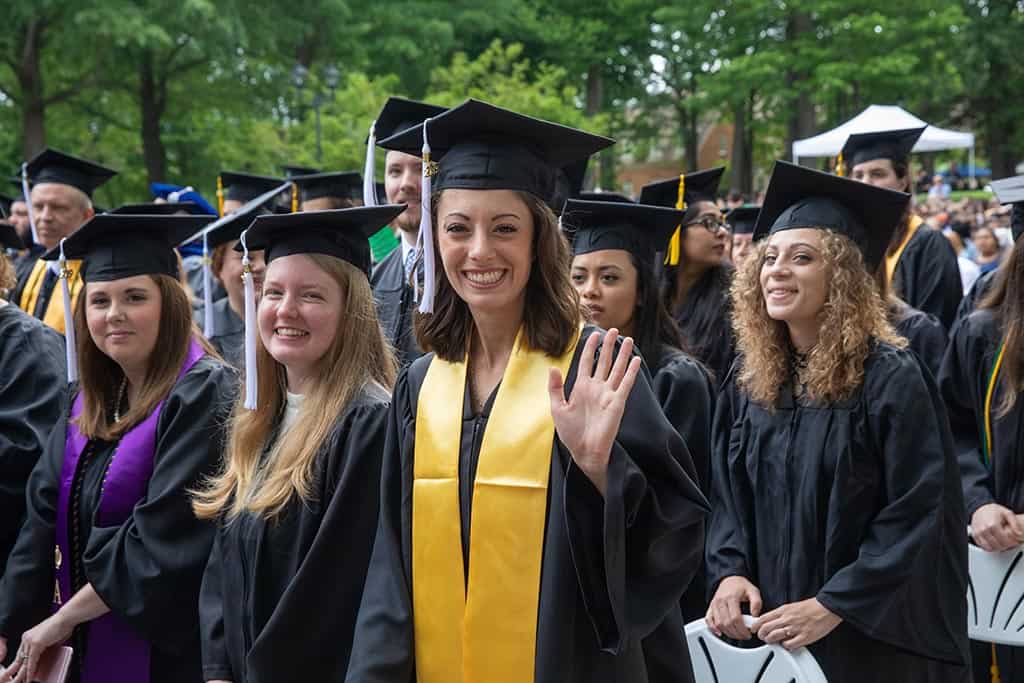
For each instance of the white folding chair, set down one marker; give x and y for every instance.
(995, 596)
(716, 661)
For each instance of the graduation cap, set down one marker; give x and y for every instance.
(799, 197)
(243, 187)
(479, 146)
(345, 185)
(741, 219)
(52, 166)
(296, 171)
(9, 238)
(397, 114)
(641, 230)
(681, 193)
(158, 209)
(894, 145)
(1011, 191)
(605, 197)
(342, 233)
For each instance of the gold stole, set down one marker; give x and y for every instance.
(892, 261)
(54, 314)
(486, 633)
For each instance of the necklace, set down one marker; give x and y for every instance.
(800, 363)
(120, 399)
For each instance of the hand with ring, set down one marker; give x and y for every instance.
(34, 642)
(797, 624)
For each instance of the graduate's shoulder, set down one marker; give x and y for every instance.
(208, 379)
(930, 241)
(388, 274)
(893, 371)
(682, 366)
(19, 329)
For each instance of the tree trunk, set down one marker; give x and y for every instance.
(740, 160)
(801, 122)
(30, 82)
(604, 174)
(747, 181)
(691, 140)
(152, 97)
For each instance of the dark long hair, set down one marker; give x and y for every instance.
(1006, 301)
(654, 330)
(703, 316)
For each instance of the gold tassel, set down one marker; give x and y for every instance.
(995, 666)
(672, 257)
(295, 198)
(220, 196)
(840, 166)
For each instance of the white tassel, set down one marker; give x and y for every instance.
(250, 329)
(28, 202)
(207, 289)
(425, 238)
(369, 187)
(70, 347)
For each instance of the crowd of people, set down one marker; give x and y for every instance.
(530, 443)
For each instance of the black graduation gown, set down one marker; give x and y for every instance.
(927, 275)
(706, 322)
(925, 333)
(32, 381)
(975, 294)
(395, 306)
(147, 570)
(23, 264)
(857, 504)
(963, 383)
(228, 332)
(593, 612)
(279, 599)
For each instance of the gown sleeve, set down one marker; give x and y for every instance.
(907, 584)
(962, 368)
(930, 278)
(26, 590)
(32, 387)
(636, 549)
(383, 648)
(315, 618)
(686, 395)
(216, 664)
(927, 339)
(142, 568)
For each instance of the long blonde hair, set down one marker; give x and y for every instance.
(359, 354)
(853, 316)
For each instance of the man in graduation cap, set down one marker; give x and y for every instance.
(61, 196)
(234, 189)
(403, 172)
(327, 191)
(741, 224)
(920, 264)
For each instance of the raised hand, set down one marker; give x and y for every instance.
(589, 420)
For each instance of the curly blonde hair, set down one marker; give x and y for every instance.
(852, 317)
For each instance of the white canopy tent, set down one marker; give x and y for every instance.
(879, 117)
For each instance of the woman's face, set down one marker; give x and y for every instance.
(702, 247)
(123, 317)
(607, 283)
(793, 280)
(485, 238)
(986, 242)
(298, 315)
(230, 276)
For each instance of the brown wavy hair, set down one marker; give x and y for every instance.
(7, 279)
(1006, 301)
(552, 313)
(359, 354)
(100, 376)
(854, 315)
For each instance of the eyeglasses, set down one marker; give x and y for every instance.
(712, 225)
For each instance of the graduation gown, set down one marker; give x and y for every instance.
(925, 333)
(975, 294)
(593, 612)
(927, 276)
(686, 394)
(857, 504)
(228, 332)
(32, 381)
(279, 598)
(148, 569)
(963, 383)
(395, 306)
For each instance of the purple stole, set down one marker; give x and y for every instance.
(115, 653)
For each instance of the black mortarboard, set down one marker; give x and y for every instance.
(741, 219)
(1011, 191)
(641, 230)
(399, 113)
(894, 145)
(115, 246)
(799, 197)
(295, 171)
(605, 197)
(342, 233)
(160, 209)
(243, 187)
(480, 146)
(5, 205)
(9, 238)
(347, 185)
(698, 186)
(51, 166)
